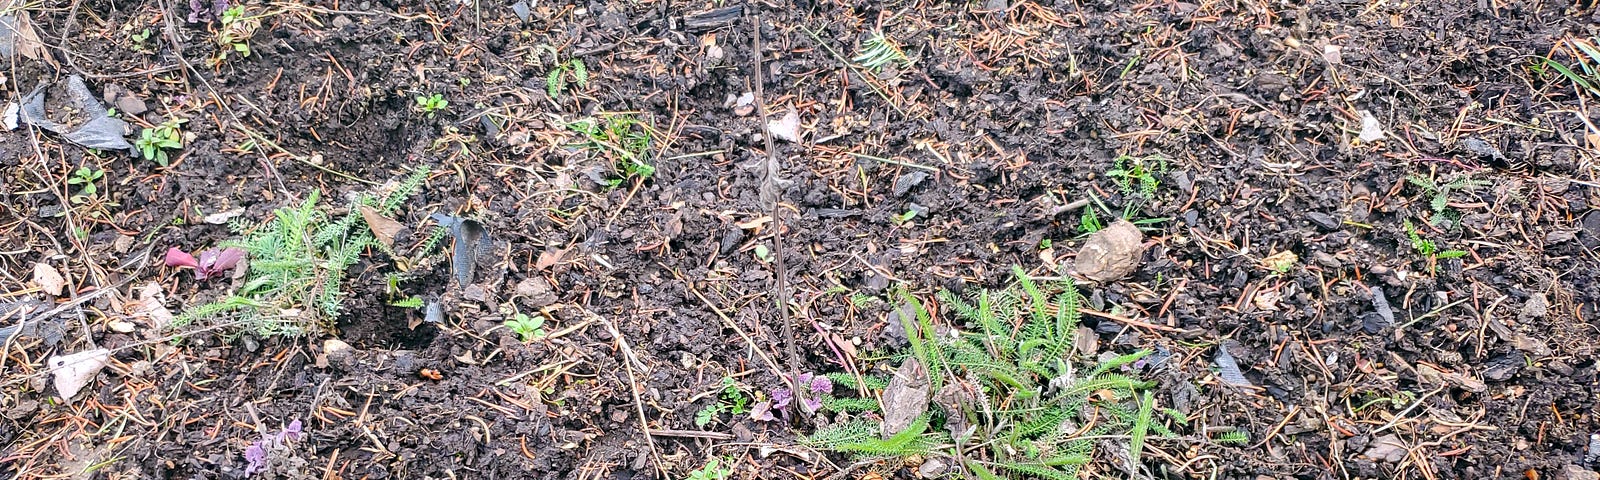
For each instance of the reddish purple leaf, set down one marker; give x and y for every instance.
(214, 261)
(177, 258)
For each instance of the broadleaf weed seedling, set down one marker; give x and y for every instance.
(238, 26)
(730, 399)
(527, 328)
(430, 104)
(622, 139)
(85, 178)
(153, 143)
(713, 470)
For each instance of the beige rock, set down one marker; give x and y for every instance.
(1111, 253)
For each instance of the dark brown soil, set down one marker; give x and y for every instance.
(1010, 109)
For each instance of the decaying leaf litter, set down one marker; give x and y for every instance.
(1167, 156)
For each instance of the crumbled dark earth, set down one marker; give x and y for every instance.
(1296, 127)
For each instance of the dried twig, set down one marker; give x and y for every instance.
(771, 188)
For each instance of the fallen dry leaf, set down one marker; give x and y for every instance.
(151, 305)
(48, 279)
(74, 371)
(1387, 448)
(549, 258)
(786, 128)
(383, 227)
(1111, 253)
(906, 397)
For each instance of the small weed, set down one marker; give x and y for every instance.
(1428, 249)
(85, 178)
(730, 400)
(153, 143)
(903, 218)
(234, 35)
(879, 51)
(713, 470)
(1280, 263)
(137, 40)
(527, 328)
(621, 138)
(408, 302)
(1438, 193)
(1137, 176)
(763, 253)
(430, 104)
(555, 82)
(1586, 76)
(1089, 222)
(1018, 353)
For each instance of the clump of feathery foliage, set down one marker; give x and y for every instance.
(297, 262)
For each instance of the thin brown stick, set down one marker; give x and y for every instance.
(770, 183)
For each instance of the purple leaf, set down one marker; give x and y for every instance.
(178, 258)
(213, 262)
(291, 432)
(762, 412)
(811, 405)
(257, 456)
(780, 402)
(821, 384)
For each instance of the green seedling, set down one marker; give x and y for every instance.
(1585, 76)
(555, 82)
(730, 400)
(153, 143)
(408, 302)
(527, 328)
(138, 40)
(713, 470)
(1438, 193)
(1089, 222)
(879, 51)
(85, 178)
(234, 36)
(624, 140)
(430, 104)
(763, 253)
(1428, 249)
(903, 218)
(1137, 176)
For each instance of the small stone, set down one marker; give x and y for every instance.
(907, 181)
(933, 468)
(536, 291)
(1327, 222)
(1536, 306)
(1325, 259)
(521, 10)
(1502, 368)
(124, 100)
(1574, 472)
